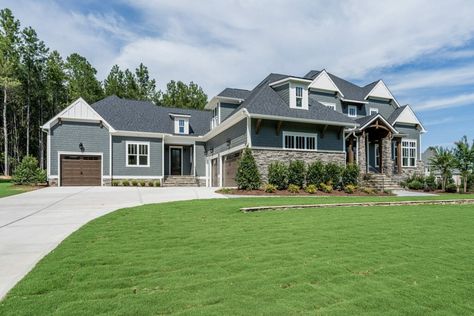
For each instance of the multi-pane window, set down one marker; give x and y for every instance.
(409, 153)
(373, 111)
(299, 141)
(137, 154)
(299, 97)
(352, 111)
(181, 126)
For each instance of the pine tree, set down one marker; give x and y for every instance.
(114, 83)
(181, 95)
(82, 81)
(248, 176)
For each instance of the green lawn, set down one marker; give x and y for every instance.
(7, 188)
(208, 258)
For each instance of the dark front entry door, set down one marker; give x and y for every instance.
(176, 156)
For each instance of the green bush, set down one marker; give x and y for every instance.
(430, 183)
(125, 183)
(142, 183)
(270, 188)
(368, 190)
(296, 173)
(28, 172)
(151, 183)
(327, 188)
(134, 183)
(350, 175)
(315, 173)
(157, 183)
(225, 190)
(293, 188)
(311, 189)
(332, 175)
(115, 183)
(248, 177)
(278, 175)
(415, 185)
(350, 188)
(451, 188)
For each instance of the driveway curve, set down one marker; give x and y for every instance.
(34, 223)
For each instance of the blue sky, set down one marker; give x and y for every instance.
(425, 56)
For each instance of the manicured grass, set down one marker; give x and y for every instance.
(208, 258)
(7, 188)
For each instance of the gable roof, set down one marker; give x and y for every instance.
(366, 120)
(234, 93)
(264, 101)
(405, 114)
(144, 116)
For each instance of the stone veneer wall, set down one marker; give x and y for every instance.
(387, 161)
(407, 172)
(362, 154)
(264, 158)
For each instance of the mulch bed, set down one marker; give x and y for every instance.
(301, 193)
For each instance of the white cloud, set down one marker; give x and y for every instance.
(448, 102)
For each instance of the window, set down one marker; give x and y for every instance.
(138, 154)
(215, 117)
(409, 153)
(377, 155)
(299, 97)
(352, 111)
(299, 141)
(329, 105)
(373, 111)
(181, 126)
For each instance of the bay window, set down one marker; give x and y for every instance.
(409, 153)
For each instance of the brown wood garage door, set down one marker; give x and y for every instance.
(230, 166)
(80, 170)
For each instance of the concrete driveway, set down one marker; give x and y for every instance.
(34, 223)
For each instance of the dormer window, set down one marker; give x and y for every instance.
(352, 111)
(181, 126)
(373, 111)
(299, 97)
(181, 123)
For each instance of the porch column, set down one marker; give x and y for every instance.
(399, 156)
(381, 158)
(387, 155)
(361, 153)
(351, 151)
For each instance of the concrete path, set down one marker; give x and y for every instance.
(411, 193)
(34, 223)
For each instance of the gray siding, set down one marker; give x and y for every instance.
(385, 108)
(227, 109)
(200, 160)
(267, 136)
(119, 166)
(327, 97)
(412, 133)
(237, 135)
(284, 92)
(66, 137)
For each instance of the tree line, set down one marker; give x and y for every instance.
(36, 83)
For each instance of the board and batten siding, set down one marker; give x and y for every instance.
(267, 136)
(226, 109)
(68, 136)
(119, 163)
(237, 135)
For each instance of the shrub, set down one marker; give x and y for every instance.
(311, 189)
(350, 188)
(296, 173)
(327, 188)
(225, 190)
(157, 183)
(125, 183)
(115, 183)
(293, 188)
(315, 174)
(278, 175)
(134, 183)
(142, 183)
(28, 172)
(368, 190)
(389, 192)
(350, 175)
(270, 188)
(430, 183)
(415, 185)
(151, 183)
(451, 188)
(248, 177)
(333, 174)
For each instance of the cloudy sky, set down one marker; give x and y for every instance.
(424, 50)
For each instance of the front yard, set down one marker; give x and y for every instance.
(206, 257)
(7, 188)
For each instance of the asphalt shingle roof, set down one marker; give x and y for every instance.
(391, 119)
(144, 116)
(234, 93)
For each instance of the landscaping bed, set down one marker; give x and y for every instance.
(300, 193)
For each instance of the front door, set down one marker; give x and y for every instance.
(176, 161)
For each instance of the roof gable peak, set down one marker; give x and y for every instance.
(324, 82)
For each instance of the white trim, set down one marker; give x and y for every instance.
(289, 79)
(305, 135)
(110, 155)
(249, 130)
(416, 151)
(383, 120)
(169, 159)
(162, 157)
(409, 118)
(302, 150)
(375, 110)
(130, 142)
(329, 105)
(194, 159)
(376, 153)
(354, 101)
(141, 134)
(180, 115)
(325, 83)
(381, 91)
(232, 150)
(293, 97)
(213, 102)
(291, 119)
(349, 107)
(221, 177)
(75, 153)
(185, 121)
(48, 153)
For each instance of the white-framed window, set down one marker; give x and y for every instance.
(215, 117)
(373, 111)
(377, 155)
(181, 126)
(137, 154)
(409, 152)
(300, 141)
(299, 97)
(352, 111)
(329, 105)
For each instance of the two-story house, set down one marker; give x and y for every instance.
(318, 116)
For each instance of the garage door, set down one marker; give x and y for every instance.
(80, 170)
(230, 166)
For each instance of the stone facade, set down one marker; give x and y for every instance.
(264, 158)
(387, 162)
(408, 172)
(361, 153)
